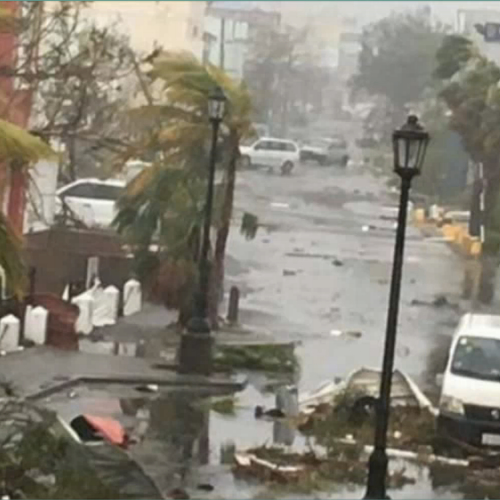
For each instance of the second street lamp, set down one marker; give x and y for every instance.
(410, 144)
(195, 353)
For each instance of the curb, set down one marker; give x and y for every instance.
(233, 384)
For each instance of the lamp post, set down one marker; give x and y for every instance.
(410, 144)
(195, 353)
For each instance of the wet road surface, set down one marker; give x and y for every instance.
(320, 263)
(323, 261)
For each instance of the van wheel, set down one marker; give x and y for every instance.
(245, 162)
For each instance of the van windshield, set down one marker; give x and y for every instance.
(477, 357)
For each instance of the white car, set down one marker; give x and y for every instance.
(91, 200)
(271, 152)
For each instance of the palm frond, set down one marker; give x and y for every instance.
(10, 256)
(17, 144)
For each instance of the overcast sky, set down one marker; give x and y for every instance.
(369, 11)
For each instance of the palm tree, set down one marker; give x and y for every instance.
(16, 145)
(182, 135)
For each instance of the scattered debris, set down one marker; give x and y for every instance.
(288, 272)
(280, 205)
(308, 470)
(93, 428)
(337, 263)
(205, 487)
(348, 333)
(178, 494)
(224, 406)
(271, 358)
(72, 394)
(273, 413)
(439, 301)
(148, 388)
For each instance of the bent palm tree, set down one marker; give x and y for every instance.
(183, 127)
(15, 145)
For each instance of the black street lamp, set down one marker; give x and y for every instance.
(410, 144)
(195, 353)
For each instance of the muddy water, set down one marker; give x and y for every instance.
(180, 441)
(313, 213)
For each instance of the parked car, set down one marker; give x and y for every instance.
(469, 408)
(90, 200)
(328, 151)
(271, 152)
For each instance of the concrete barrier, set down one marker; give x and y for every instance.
(419, 216)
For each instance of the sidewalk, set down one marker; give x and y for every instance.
(37, 372)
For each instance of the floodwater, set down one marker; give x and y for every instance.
(320, 263)
(181, 441)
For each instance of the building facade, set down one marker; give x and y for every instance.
(465, 25)
(171, 25)
(229, 29)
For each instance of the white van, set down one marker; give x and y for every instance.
(270, 152)
(469, 409)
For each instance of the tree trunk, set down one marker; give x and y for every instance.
(217, 274)
(489, 256)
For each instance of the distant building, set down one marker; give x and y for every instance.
(466, 21)
(229, 29)
(171, 25)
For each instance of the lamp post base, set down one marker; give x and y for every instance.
(195, 350)
(377, 472)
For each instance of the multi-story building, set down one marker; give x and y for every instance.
(229, 29)
(171, 25)
(467, 20)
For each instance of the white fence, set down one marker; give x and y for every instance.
(98, 307)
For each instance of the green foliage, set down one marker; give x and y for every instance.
(453, 54)
(269, 358)
(165, 203)
(397, 58)
(36, 461)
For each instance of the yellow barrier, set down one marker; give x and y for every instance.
(419, 215)
(475, 248)
(449, 231)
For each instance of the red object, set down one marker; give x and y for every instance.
(15, 106)
(109, 429)
(61, 332)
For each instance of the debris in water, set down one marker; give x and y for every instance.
(348, 333)
(354, 334)
(147, 388)
(205, 487)
(178, 494)
(274, 413)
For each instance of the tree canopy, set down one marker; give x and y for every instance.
(397, 58)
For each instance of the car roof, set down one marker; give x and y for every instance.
(107, 182)
(479, 325)
(275, 139)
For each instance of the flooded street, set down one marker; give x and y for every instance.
(329, 230)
